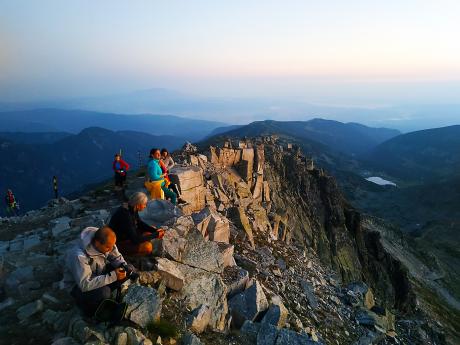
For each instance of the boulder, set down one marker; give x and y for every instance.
(29, 309)
(189, 180)
(266, 192)
(245, 169)
(241, 220)
(382, 323)
(248, 305)
(149, 277)
(258, 188)
(212, 225)
(121, 338)
(238, 280)
(259, 159)
(369, 301)
(170, 274)
(199, 319)
(172, 245)
(249, 331)
(82, 331)
(228, 156)
(59, 225)
(277, 313)
(135, 337)
(190, 339)
(183, 225)
(227, 250)
(267, 334)
(195, 198)
(309, 293)
(186, 178)
(31, 242)
(159, 211)
(202, 287)
(144, 305)
(202, 254)
(18, 276)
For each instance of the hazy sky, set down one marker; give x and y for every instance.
(330, 52)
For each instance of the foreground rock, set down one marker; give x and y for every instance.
(248, 305)
(144, 305)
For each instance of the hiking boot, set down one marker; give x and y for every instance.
(181, 201)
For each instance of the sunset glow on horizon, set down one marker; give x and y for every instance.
(117, 45)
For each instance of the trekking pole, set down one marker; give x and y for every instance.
(55, 187)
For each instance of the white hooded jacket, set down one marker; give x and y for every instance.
(86, 267)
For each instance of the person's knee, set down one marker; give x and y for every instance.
(145, 248)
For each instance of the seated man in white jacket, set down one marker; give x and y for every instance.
(94, 268)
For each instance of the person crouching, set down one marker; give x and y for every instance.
(134, 235)
(95, 268)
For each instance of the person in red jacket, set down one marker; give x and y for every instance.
(120, 167)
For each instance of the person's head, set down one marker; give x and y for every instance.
(117, 157)
(164, 153)
(104, 239)
(155, 153)
(138, 201)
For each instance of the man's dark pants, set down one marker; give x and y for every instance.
(89, 301)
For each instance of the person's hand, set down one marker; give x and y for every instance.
(161, 233)
(121, 273)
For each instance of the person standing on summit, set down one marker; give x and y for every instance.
(120, 168)
(11, 204)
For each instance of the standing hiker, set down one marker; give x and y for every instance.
(120, 168)
(12, 205)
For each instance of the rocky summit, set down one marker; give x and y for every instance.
(266, 251)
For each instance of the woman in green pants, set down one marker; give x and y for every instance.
(156, 174)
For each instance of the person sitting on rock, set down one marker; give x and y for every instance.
(134, 235)
(166, 163)
(167, 159)
(94, 267)
(120, 168)
(155, 173)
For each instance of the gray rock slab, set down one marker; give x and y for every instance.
(144, 305)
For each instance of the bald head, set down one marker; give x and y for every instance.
(104, 239)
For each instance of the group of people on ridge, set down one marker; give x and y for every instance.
(96, 266)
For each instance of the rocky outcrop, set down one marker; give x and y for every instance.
(266, 245)
(189, 180)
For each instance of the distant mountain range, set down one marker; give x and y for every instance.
(73, 121)
(34, 137)
(407, 117)
(350, 138)
(422, 156)
(28, 166)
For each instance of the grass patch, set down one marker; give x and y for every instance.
(163, 328)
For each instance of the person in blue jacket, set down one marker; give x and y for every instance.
(156, 174)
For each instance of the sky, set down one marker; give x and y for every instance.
(336, 52)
